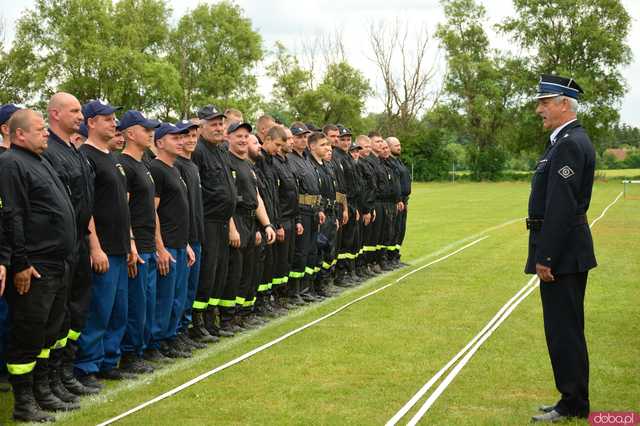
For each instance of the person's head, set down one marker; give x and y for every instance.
(394, 146)
(385, 152)
(137, 130)
(253, 148)
(365, 144)
(288, 146)
(265, 122)
(116, 143)
(77, 139)
(238, 135)
(355, 150)
(65, 114)
(100, 120)
(232, 115)
(344, 141)
(300, 134)
(557, 100)
(190, 137)
(376, 142)
(319, 146)
(212, 123)
(28, 130)
(273, 141)
(168, 140)
(6, 111)
(333, 133)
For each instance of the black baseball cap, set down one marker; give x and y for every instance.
(186, 124)
(344, 131)
(297, 130)
(209, 112)
(239, 125)
(133, 118)
(354, 147)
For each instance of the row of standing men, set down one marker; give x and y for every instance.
(127, 244)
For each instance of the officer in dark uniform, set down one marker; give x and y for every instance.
(310, 213)
(405, 191)
(219, 203)
(289, 224)
(367, 204)
(560, 244)
(239, 294)
(43, 237)
(65, 117)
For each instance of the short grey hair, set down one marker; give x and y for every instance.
(573, 103)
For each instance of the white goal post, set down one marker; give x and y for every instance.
(630, 194)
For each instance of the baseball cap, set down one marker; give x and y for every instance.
(209, 112)
(186, 124)
(167, 129)
(133, 118)
(6, 111)
(97, 107)
(239, 125)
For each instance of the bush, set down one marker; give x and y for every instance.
(487, 163)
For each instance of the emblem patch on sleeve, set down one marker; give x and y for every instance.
(566, 172)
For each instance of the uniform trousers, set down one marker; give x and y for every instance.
(214, 266)
(141, 305)
(193, 278)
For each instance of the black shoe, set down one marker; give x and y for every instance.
(154, 355)
(45, 398)
(192, 343)
(546, 408)
(204, 326)
(58, 388)
(25, 408)
(133, 364)
(90, 381)
(551, 417)
(115, 374)
(376, 269)
(73, 385)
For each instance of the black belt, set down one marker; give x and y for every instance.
(246, 212)
(534, 224)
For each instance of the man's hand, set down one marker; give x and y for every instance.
(357, 215)
(544, 272)
(321, 217)
(258, 238)
(164, 261)
(271, 235)
(366, 219)
(191, 256)
(345, 216)
(280, 234)
(400, 206)
(133, 258)
(99, 261)
(234, 238)
(373, 218)
(299, 229)
(22, 279)
(3, 278)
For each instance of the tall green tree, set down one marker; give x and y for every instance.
(477, 88)
(215, 50)
(584, 39)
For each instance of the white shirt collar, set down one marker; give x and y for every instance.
(555, 133)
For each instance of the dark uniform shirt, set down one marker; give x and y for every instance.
(346, 163)
(392, 166)
(39, 211)
(328, 182)
(560, 195)
(75, 172)
(218, 189)
(246, 184)
(384, 180)
(287, 188)
(191, 176)
(173, 208)
(142, 209)
(110, 208)
(308, 181)
(268, 186)
(5, 236)
(405, 178)
(338, 169)
(368, 184)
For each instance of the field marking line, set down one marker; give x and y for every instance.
(530, 286)
(267, 345)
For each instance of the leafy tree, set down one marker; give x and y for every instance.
(215, 49)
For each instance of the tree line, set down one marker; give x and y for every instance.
(480, 115)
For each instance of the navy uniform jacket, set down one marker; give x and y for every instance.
(560, 194)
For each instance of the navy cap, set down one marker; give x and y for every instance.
(344, 131)
(209, 112)
(167, 129)
(83, 130)
(297, 131)
(133, 118)
(186, 124)
(94, 108)
(354, 147)
(118, 126)
(6, 111)
(554, 85)
(239, 125)
(312, 127)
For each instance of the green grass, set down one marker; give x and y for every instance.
(619, 174)
(363, 364)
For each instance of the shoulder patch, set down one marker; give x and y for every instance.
(566, 172)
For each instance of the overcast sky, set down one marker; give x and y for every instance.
(294, 21)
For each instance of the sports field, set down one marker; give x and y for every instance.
(363, 364)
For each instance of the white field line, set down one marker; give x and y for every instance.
(480, 338)
(279, 339)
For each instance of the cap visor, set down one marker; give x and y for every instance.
(212, 116)
(546, 95)
(150, 124)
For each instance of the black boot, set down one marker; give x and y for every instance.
(199, 331)
(25, 408)
(46, 399)
(294, 292)
(67, 376)
(212, 323)
(55, 381)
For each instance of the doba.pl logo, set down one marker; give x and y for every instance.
(620, 418)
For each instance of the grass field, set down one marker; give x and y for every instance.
(361, 365)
